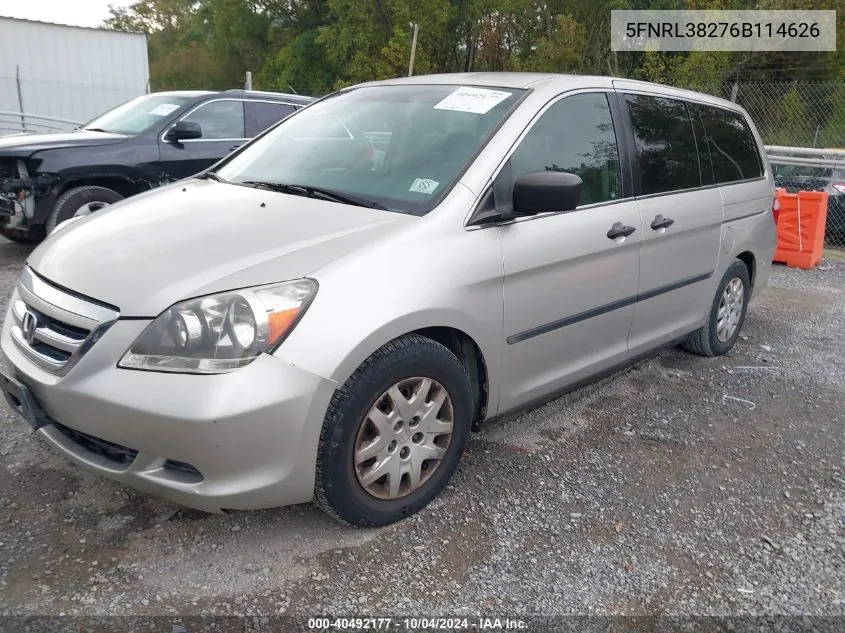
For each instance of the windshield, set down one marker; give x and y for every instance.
(398, 147)
(138, 115)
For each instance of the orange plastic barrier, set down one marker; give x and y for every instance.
(801, 223)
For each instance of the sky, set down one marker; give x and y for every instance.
(75, 12)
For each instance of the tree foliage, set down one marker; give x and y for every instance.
(315, 46)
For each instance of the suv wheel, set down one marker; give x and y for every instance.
(727, 314)
(80, 201)
(394, 433)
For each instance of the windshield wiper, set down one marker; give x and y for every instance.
(319, 193)
(211, 175)
(93, 129)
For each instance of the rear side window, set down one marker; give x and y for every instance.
(575, 135)
(732, 148)
(260, 115)
(666, 153)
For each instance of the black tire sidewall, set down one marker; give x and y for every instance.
(71, 200)
(339, 485)
(736, 269)
(30, 236)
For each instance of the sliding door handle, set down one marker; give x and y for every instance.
(619, 230)
(660, 222)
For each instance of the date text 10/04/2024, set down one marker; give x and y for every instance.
(414, 624)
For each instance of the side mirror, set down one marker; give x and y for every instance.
(546, 191)
(182, 131)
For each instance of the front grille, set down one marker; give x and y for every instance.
(53, 327)
(51, 338)
(119, 455)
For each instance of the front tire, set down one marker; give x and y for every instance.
(394, 433)
(79, 201)
(31, 236)
(727, 314)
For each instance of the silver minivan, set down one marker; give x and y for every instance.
(325, 313)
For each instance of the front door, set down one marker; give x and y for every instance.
(223, 131)
(569, 288)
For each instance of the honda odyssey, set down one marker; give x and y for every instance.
(326, 312)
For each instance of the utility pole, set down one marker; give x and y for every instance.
(413, 47)
(248, 82)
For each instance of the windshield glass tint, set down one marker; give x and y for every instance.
(399, 146)
(138, 115)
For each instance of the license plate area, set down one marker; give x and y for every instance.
(21, 400)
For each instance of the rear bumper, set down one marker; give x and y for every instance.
(243, 440)
(763, 262)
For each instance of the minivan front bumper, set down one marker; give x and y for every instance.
(242, 440)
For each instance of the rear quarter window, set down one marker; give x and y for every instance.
(729, 142)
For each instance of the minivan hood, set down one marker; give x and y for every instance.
(199, 237)
(24, 145)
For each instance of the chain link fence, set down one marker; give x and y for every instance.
(802, 115)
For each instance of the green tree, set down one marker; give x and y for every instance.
(793, 127)
(314, 46)
(562, 51)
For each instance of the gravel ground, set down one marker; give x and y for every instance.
(680, 486)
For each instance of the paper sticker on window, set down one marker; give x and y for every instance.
(163, 109)
(423, 185)
(475, 100)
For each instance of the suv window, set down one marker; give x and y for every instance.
(665, 143)
(260, 115)
(575, 135)
(732, 148)
(222, 119)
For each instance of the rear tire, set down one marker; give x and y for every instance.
(79, 201)
(727, 314)
(371, 428)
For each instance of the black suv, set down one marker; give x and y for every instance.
(149, 141)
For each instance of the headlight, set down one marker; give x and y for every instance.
(222, 332)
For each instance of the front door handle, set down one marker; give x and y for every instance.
(619, 230)
(660, 222)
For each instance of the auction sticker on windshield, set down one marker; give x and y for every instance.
(475, 100)
(163, 109)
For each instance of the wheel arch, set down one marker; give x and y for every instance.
(747, 258)
(469, 353)
(467, 343)
(123, 184)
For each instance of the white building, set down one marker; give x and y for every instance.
(66, 72)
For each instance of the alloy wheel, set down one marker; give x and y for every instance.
(730, 310)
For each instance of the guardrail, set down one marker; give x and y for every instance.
(805, 156)
(12, 122)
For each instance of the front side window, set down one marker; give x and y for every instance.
(666, 151)
(219, 119)
(138, 115)
(732, 148)
(575, 135)
(399, 147)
